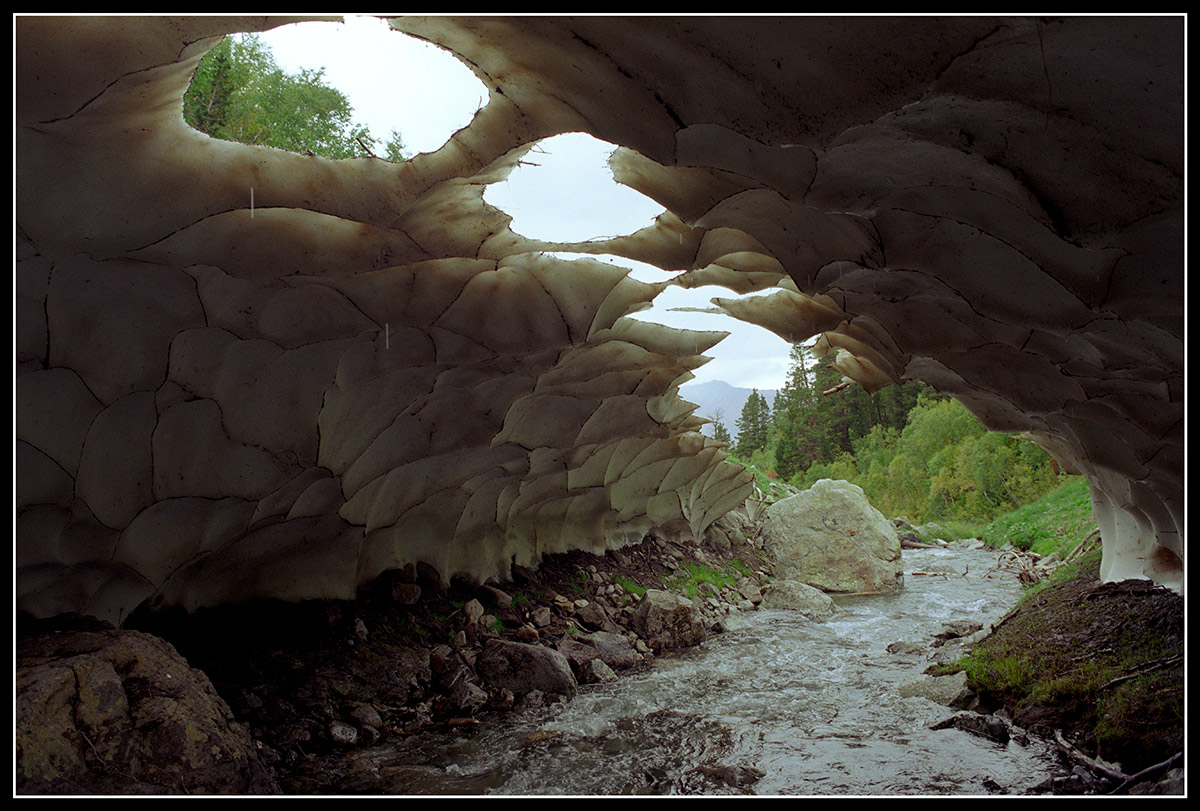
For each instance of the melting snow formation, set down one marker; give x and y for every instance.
(246, 373)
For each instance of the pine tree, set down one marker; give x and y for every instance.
(753, 426)
(721, 433)
(792, 403)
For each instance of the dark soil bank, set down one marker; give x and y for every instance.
(1102, 664)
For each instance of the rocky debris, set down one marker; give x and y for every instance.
(831, 537)
(792, 595)
(103, 711)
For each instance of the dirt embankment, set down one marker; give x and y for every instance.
(1099, 667)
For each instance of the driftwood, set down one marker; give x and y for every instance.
(918, 545)
(1023, 564)
(1086, 545)
(1150, 772)
(1094, 765)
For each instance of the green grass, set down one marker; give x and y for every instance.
(772, 489)
(1057, 522)
(633, 588)
(696, 573)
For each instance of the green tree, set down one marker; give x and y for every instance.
(239, 93)
(794, 403)
(753, 425)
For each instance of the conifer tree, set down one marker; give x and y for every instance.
(754, 425)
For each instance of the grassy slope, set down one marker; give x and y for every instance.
(1057, 522)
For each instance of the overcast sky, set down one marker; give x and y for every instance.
(397, 82)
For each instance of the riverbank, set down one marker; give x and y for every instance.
(314, 684)
(1099, 667)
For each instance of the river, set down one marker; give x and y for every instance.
(785, 706)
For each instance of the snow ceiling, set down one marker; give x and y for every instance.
(219, 400)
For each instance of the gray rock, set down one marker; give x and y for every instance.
(473, 609)
(342, 734)
(667, 620)
(593, 615)
(366, 716)
(406, 593)
(519, 668)
(792, 595)
(501, 599)
(751, 592)
(577, 653)
(526, 633)
(468, 697)
(442, 659)
(956, 630)
(831, 537)
(731, 622)
(939, 689)
(596, 671)
(614, 649)
(985, 726)
(129, 701)
(541, 616)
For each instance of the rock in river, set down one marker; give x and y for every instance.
(830, 537)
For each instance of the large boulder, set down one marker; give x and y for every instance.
(102, 711)
(667, 620)
(521, 668)
(831, 537)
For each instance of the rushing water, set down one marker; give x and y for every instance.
(785, 706)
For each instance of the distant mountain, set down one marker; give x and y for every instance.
(721, 396)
